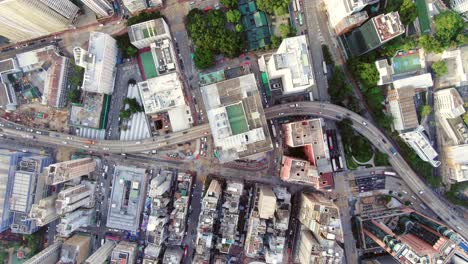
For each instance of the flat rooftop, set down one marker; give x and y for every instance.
(161, 93)
(388, 26)
(147, 29)
(127, 198)
(236, 117)
(291, 62)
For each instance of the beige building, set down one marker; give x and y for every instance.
(68, 170)
(448, 103)
(124, 253)
(72, 198)
(101, 8)
(102, 254)
(457, 162)
(26, 19)
(75, 249)
(134, 6)
(402, 107)
(266, 202)
(44, 212)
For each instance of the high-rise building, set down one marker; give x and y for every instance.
(51, 254)
(101, 8)
(124, 252)
(72, 198)
(457, 162)
(339, 10)
(75, 249)
(143, 34)
(134, 6)
(70, 222)
(25, 19)
(127, 198)
(8, 162)
(99, 63)
(448, 103)
(419, 141)
(102, 254)
(44, 211)
(68, 170)
(266, 202)
(290, 69)
(408, 236)
(460, 6)
(237, 120)
(28, 188)
(374, 33)
(320, 232)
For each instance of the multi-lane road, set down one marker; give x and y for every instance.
(325, 110)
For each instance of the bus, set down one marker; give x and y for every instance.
(330, 143)
(389, 173)
(298, 6)
(324, 68)
(295, 6)
(301, 18)
(340, 161)
(334, 167)
(273, 130)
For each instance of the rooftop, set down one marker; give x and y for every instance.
(99, 63)
(127, 198)
(89, 113)
(236, 117)
(297, 170)
(292, 64)
(161, 93)
(403, 109)
(147, 29)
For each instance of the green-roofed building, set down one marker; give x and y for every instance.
(255, 25)
(374, 33)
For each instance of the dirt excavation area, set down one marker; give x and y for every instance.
(42, 116)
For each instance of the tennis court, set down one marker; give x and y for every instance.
(237, 119)
(423, 16)
(148, 64)
(406, 63)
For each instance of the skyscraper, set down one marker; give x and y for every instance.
(25, 19)
(102, 8)
(68, 170)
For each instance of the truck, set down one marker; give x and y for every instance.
(90, 142)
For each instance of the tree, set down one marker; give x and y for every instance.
(76, 78)
(269, 6)
(233, 16)
(407, 203)
(284, 30)
(408, 12)
(131, 51)
(439, 68)
(142, 17)
(125, 114)
(448, 25)
(204, 58)
(275, 41)
(465, 118)
(366, 73)
(426, 110)
(229, 3)
(239, 28)
(430, 44)
(74, 95)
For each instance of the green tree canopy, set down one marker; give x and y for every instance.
(408, 12)
(448, 25)
(275, 41)
(284, 30)
(233, 16)
(366, 73)
(204, 58)
(465, 117)
(229, 3)
(239, 28)
(426, 110)
(430, 44)
(74, 95)
(211, 36)
(439, 68)
(269, 6)
(142, 17)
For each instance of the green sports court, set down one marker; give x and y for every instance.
(406, 63)
(236, 116)
(149, 66)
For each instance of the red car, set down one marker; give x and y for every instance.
(185, 251)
